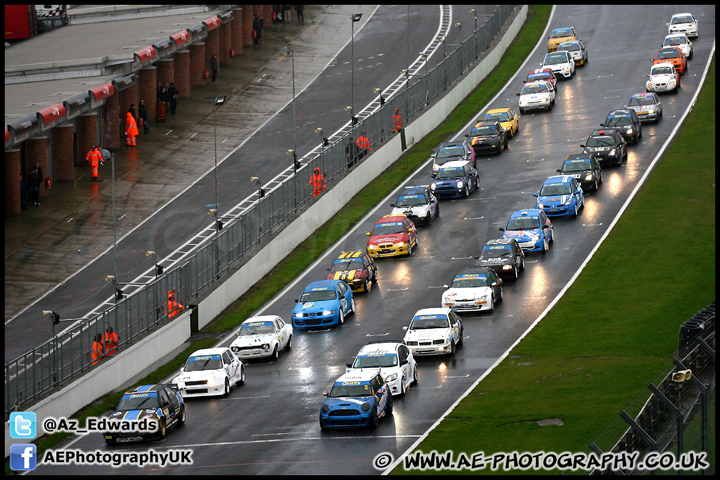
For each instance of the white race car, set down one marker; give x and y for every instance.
(395, 360)
(681, 41)
(683, 23)
(210, 371)
(262, 337)
(417, 203)
(434, 331)
(474, 289)
(663, 78)
(561, 63)
(536, 95)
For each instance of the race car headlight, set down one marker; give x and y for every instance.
(460, 184)
(400, 244)
(391, 378)
(534, 237)
(539, 204)
(566, 68)
(432, 186)
(629, 131)
(649, 85)
(671, 83)
(365, 407)
(588, 177)
(523, 101)
(569, 200)
(612, 152)
(325, 408)
(299, 315)
(180, 385)
(212, 382)
(266, 346)
(328, 312)
(507, 267)
(372, 247)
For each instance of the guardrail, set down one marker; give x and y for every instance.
(69, 354)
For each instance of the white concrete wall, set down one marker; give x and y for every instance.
(129, 363)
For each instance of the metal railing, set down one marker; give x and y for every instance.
(69, 354)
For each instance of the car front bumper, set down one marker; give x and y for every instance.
(428, 347)
(200, 388)
(559, 211)
(345, 418)
(388, 251)
(255, 351)
(317, 321)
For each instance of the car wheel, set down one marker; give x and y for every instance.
(546, 247)
(275, 354)
(601, 180)
(227, 388)
(595, 185)
(466, 193)
(366, 286)
(492, 303)
(242, 376)
(428, 219)
(660, 114)
(452, 347)
(182, 418)
(373, 417)
(522, 110)
(522, 264)
(352, 305)
(341, 317)
(322, 427)
(163, 430)
(552, 237)
(576, 210)
(389, 406)
(415, 375)
(501, 148)
(502, 295)
(402, 387)
(639, 133)
(516, 272)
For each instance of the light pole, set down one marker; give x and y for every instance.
(296, 164)
(355, 18)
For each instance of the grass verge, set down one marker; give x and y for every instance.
(616, 327)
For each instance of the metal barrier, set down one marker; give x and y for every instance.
(69, 354)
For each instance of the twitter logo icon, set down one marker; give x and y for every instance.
(23, 425)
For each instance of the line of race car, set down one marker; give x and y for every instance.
(384, 369)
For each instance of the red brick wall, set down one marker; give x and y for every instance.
(128, 97)
(197, 64)
(37, 152)
(237, 31)
(112, 136)
(87, 135)
(225, 35)
(247, 25)
(165, 71)
(63, 154)
(212, 46)
(267, 16)
(12, 182)
(182, 73)
(148, 92)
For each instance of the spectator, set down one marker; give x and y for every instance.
(97, 347)
(144, 116)
(33, 186)
(111, 341)
(172, 94)
(131, 129)
(260, 28)
(94, 158)
(300, 16)
(317, 180)
(174, 306)
(255, 28)
(286, 13)
(23, 194)
(397, 121)
(132, 111)
(363, 144)
(214, 67)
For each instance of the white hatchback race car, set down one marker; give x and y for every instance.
(561, 63)
(434, 331)
(395, 361)
(684, 23)
(681, 41)
(663, 78)
(536, 95)
(474, 289)
(263, 336)
(210, 371)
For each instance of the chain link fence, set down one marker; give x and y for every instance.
(69, 354)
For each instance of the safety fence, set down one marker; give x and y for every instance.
(679, 415)
(70, 354)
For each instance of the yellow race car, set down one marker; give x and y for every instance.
(560, 35)
(507, 117)
(357, 269)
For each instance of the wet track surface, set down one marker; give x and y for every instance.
(270, 425)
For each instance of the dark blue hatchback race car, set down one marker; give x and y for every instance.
(455, 179)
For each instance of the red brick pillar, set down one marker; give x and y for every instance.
(225, 35)
(63, 154)
(147, 86)
(37, 152)
(12, 182)
(267, 16)
(111, 136)
(198, 64)
(247, 16)
(128, 97)
(182, 73)
(86, 135)
(236, 39)
(212, 46)
(166, 71)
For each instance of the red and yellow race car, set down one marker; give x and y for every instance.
(392, 235)
(356, 269)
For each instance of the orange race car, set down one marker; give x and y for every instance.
(672, 55)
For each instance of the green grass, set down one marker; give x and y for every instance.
(331, 232)
(616, 327)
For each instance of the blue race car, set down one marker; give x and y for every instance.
(532, 229)
(357, 399)
(455, 179)
(323, 303)
(158, 403)
(560, 195)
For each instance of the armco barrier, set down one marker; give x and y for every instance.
(70, 399)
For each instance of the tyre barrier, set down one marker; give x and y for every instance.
(703, 321)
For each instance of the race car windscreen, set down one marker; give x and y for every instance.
(138, 401)
(679, 20)
(534, 77)
(665, 54)
(388, 228)
(500, 117)
(600, 142)
(569, 47)
(483, 132)
(318, 296)
(370, 361)
(523, 223)
(499, 251)
(672, 41)
(565, 32)
(618, 120)
(533, 89)
(256, 328)
(410, 200)
(469, 282)
(575, 166)
(425, 322)
(454, 172)
(555, 59)
(447, 152)
(350, 389)
(341, 265)
(555, 189)
(199, 364)
(661, 71)
(636, 101)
